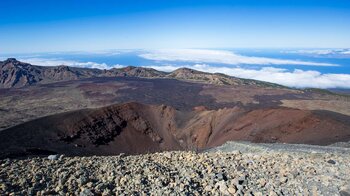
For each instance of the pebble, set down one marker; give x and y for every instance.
(86, 192)
(331, 162)
(231, 190)
(179, 173)
(53, 157)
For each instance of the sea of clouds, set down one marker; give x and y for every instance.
(232, 64)
(220, 56)
(322, 52)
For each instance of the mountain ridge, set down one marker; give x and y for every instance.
(17, 74)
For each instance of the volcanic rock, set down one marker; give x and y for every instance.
(138, 128)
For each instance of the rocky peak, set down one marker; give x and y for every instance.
(185, 70)
(63, 68)
(14, 73)
(129, 68)
(11, 60)
(12, 63)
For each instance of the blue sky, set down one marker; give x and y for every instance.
(60, 25)
(297, 43)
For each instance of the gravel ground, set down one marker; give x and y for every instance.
(248, 147)
(233, 169)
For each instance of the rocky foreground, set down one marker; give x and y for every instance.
(233, 169)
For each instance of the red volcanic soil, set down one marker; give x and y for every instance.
(285, 125)
(128, 128)
(138, 128)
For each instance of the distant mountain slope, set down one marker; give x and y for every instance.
(216, 78)
(140, 128)
(14, 74)
(17, 74)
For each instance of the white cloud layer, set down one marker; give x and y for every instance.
(220, 56)
(55, 62)
(297, 78)
(321, 52)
